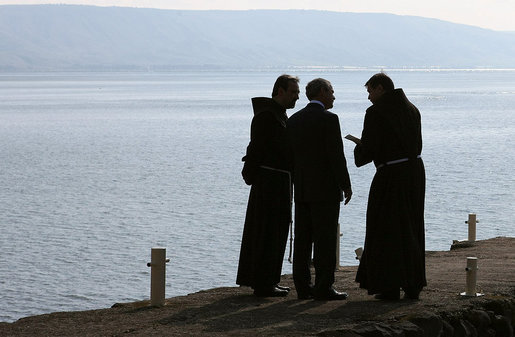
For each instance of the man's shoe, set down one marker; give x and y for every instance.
(411, 293)
(388, 296)
(331, 295)
(305, 293)
(411, 297)
(278, 286)
(271, 291)
(304, 296)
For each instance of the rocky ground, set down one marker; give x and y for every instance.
(234, 311)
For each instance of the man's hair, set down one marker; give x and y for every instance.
(283, 81)
(380, 79)
(314, 87)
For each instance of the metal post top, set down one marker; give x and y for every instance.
(158, 248)
(471, 258)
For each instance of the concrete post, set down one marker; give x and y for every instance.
(338, 235)
(471, 276)
(157, 276)
(472, 227)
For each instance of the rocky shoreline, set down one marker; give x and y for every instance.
(234, 311)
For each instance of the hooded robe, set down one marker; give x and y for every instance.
(268, 216)
(394, 251)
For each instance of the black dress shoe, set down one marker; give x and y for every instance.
(304, 296)
(278, 286)
(388, 296)
(331, 295)
(411, 293)
(304, 293)
(411, 296)
(271, 291)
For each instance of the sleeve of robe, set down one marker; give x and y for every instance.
(259, 135)
(364, 152)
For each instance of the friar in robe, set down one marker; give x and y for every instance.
(267, 169)
(394, 252)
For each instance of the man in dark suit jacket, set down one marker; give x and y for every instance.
(321, 180)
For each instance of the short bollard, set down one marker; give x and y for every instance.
(338, 236)
(157, 276)
(472, 227)
(471, 279)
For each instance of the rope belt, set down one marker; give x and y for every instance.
(392, 162)
(275, 169)
(290, 259)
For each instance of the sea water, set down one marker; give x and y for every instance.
(98, 168)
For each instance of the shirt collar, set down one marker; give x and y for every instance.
(317, 102)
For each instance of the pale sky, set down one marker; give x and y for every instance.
(491, 14)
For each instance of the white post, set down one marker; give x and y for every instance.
(157, 276)
(338, 235)
(337, 267)
(471, 276)
(472, 227)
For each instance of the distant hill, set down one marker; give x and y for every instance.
(69, 37)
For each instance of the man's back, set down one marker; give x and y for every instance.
(320, 171)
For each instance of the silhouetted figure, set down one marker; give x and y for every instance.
(320, 180)
(268, 169)
(394, 251)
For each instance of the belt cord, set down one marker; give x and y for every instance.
(397, 161)
(291, 206)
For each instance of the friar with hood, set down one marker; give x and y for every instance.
(394, 253)
(267, 169)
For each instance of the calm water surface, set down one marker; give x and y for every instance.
(96, 169)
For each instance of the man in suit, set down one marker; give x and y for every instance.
(321, 181)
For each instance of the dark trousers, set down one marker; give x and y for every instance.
(315, 226)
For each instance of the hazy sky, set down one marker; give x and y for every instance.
(492, 14)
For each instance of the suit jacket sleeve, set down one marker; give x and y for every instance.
(364, 152)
